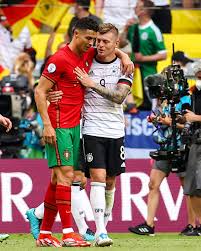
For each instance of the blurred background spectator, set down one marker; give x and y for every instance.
(24, 66)
(186, 63)
(116, 11)
(186, 3)
(151, 45)
(33, 144)
(81, 10)
(162, 16)
(9, 47)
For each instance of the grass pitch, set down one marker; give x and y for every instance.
(122, 242)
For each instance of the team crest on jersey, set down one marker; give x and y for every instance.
(144, 36)
(89, 157)
(51, 68)
(66, 154)
(87, 64)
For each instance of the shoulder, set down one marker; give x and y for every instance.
(59, 56)
(55, 63)
(156, 31)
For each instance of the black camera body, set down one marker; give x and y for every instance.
(13, 103)
(171, 86)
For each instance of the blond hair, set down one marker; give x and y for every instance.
(107, 27)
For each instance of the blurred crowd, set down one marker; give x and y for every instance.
(141, 24)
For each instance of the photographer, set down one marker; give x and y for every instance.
(168, 130)
(192, 182)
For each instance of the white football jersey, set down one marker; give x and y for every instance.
(118, 12)
(102, 117)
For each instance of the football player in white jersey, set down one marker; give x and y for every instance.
(103, 126)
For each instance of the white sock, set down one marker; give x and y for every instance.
(39, 211)
(77, 210)
(67, 230)
(97, 198)
(109, 199)
(45, 232)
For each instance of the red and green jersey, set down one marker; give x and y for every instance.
(60, 71)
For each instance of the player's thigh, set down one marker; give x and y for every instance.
(62, 153)
(64, 175)
(95, 151)
(95, 156)
(115, 157)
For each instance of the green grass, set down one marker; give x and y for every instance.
(122, 242)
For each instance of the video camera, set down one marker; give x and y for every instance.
(170, 86)
(14, 100)
(14, 92)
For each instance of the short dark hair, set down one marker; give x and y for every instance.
(86, 23)
(150, 6)
(84, 3)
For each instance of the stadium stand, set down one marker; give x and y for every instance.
(181, 42)
(186, 21)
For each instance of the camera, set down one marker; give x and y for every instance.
(15, 96)
(172, 87)
(14, 100)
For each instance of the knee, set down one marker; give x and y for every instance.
(83, 182)
(79, 177)
(65, 177)
(110, 183)
(98, 175)
(53, 178)
(98, 178)
(153, 186)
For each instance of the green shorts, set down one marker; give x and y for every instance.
(67, 150)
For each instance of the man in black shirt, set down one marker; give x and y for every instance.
(192, 183)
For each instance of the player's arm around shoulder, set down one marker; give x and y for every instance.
(116, 95)
(127, 65)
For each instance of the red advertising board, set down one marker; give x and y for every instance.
(23, 184)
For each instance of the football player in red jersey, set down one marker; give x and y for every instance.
(62, 129)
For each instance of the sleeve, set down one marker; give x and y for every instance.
(127, 80)
(158, 41)
(53, 68)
